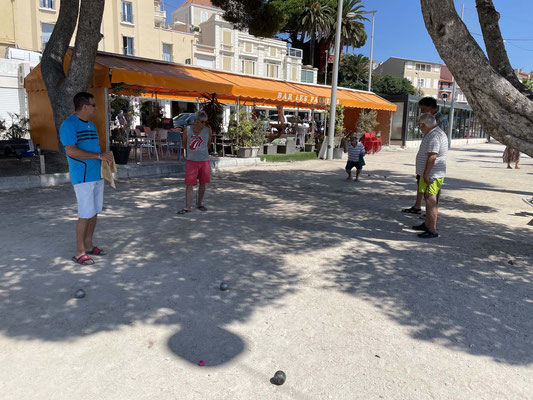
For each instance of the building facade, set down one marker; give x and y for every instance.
(133, 27)
(219, 46)
(424, 75)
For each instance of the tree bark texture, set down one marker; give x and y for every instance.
(62, 88)
(504, 111)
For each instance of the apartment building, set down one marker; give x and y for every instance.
(133, 27)
(424, 75)
(446, 87)
(218, 45)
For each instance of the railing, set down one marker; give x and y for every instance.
(160, 15)
(292, 52)
(227, 47)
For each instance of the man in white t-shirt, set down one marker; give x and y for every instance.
(431, 166)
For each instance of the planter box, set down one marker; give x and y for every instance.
(337, 154)
(120, 153)
(270, 149)
(289, 148)
(247, 152)
(10, 146)
(309, 148)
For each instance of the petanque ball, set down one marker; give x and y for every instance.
(279, 378)
(224, 286)
(80, 294)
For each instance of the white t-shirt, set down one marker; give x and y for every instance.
(434, 142)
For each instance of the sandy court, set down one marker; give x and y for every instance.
(326, 281)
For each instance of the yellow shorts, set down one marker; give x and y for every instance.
(431, 189)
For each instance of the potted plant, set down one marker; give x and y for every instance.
(119, 145)
(310, 144)
(338, 151)
(247, 134)
(367, 122)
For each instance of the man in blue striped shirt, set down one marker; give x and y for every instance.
(82, 145)
(356, 151)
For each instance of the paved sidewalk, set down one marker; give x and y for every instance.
(327, 282)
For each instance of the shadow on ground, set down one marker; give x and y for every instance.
(165, 269)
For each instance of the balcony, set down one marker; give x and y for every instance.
(226, 47)
(204, 49)
(160, 17)
(296, 53)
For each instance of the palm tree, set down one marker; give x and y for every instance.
(315, 20)
(353, 71)
(352, 30)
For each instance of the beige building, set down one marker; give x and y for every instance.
(424, 75)
(133, 27)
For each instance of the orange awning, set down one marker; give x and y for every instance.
(174, 80)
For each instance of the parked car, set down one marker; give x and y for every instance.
(183, 120)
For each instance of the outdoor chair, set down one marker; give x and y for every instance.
(174, 142)
(162, 137)
(149, 143)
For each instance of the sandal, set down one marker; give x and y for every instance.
(202, 208)
(96, 252)
(412, 210)
(83, 260)
(184, 211)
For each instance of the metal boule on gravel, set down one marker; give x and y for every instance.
(224, 286)
(510, 262)
(80, 294)
(279, 378)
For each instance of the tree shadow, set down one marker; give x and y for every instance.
(165, 269)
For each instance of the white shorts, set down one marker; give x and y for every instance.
(90, 196)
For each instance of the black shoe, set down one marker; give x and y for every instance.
(421, 227)
(428, 235)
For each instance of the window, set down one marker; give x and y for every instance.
(167, 52)
(48, 4)
(420, 83)
(127, 12)
(248, 67)
(272, 70)
(226, 37)
(203, 16)
(307, 76)
(424, 67)
(127, 44)
(226, 63)
(294, 74)
(248, 47)
(272, 51)
(46, 32)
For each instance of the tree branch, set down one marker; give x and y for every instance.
(488, 19)
(87, 38)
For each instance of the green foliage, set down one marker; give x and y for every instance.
(528, 83)
(391, 85)
(367, 121)
(353, 71)
(352, 30)
(119, 136)
(214, 111)
(20, 127)
(120, 101)
(339, 119)
(301, 156)
(151, 114)
(246, 132)
(315, 20)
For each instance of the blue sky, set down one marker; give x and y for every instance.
(399, 29)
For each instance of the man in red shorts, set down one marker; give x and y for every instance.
(196, 139)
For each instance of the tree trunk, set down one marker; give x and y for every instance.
(312, 50)
(504, 111)
(62, 88)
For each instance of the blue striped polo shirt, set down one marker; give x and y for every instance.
(82, 134)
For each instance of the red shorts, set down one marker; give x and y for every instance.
(196, 171)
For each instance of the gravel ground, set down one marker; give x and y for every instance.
(326, 282)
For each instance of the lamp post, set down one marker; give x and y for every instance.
(334, 78)
(371, 49)
(326, 72)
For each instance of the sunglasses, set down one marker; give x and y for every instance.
(203, 121)
(91, 105)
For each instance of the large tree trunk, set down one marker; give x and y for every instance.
(62, 88)
(504, 110)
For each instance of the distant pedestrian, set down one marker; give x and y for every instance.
(431, 166)
(121, 119)
(356, 152)
(427, 105)
(197, 139)
(511, 155)
(80, 138)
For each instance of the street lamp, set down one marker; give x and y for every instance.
(371, 49)
(334, 78)
(326, 77)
